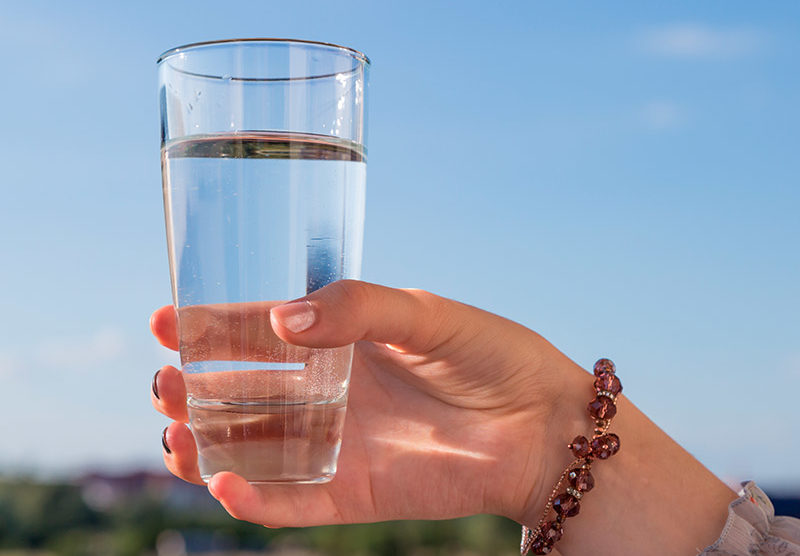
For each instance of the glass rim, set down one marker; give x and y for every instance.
(357, 54)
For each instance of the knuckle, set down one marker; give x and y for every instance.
(436, 323)
(427, 317)
(433, 307)
(429, 301)
(348, 297)
(352, 291)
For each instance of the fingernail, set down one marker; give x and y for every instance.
(155, 385)
(296, 316)
(164, 441)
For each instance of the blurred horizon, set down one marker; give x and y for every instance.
(620, 178)
(157, 513)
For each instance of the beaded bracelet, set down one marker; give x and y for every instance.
(603, 445)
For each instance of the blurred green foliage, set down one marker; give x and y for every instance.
(146, 515)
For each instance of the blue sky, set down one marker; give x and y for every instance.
(622, 178)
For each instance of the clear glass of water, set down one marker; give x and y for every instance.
(263, 154)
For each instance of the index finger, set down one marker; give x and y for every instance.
(225, 332)
(164, 327)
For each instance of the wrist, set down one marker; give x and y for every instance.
(545, 432)
(652, 498)
(566, 419)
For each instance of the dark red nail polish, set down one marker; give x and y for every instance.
(164, 441)
(155, 385)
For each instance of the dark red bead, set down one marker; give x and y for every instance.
(609, 382)
(604, 366)
(566, 504)
(552, 531)
(613, 442)
(540, 546)
(581, 479)
(580, 446)
(600, 449)
(602, 408)
(603, 447)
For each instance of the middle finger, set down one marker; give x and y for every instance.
(168, 394)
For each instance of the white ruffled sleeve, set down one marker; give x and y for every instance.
(753, 528)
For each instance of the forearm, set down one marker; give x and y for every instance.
(652, 497)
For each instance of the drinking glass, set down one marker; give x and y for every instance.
(263, 156)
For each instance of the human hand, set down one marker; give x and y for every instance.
(448, 413)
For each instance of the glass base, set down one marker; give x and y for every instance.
(284, 481)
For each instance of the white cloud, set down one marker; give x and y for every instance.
(692, 40)
(789, 367)
(662, 115)
(165, 356)
(80, 352)
(9, 364)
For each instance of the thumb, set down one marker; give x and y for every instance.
(347, 311)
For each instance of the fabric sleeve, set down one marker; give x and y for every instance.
(753, 528)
